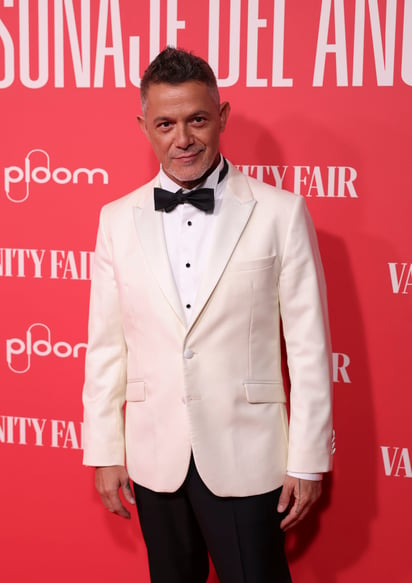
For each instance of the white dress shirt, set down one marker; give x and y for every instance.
(188, 234)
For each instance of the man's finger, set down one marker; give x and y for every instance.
(285, 497)
(113, 503)
(127, 493)
(295, 515)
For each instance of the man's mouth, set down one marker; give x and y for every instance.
(188, 156)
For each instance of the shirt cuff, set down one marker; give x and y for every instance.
(314, 477)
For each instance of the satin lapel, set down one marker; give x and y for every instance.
(149, 226)
(233, 217)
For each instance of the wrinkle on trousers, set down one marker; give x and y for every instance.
(242, 535)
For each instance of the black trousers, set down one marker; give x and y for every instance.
(242, 535)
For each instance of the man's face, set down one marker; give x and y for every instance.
(183, 124)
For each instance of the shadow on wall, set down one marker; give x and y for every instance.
(349, 503)
(337, 533)
(246, 142)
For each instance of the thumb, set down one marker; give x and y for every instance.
(285, 496)
(127, 493)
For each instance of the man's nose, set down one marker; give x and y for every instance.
(183, 137)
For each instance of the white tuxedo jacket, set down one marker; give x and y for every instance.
(213, 387)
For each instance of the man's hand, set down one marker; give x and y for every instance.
(108, 480)
(298, 495)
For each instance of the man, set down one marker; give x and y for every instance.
(187, 294)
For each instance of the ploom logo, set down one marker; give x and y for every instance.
(396, 461)
(37, 342)
(401, 277)
(41, 174)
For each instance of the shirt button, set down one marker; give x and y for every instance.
(189, 223)
(187, 264)
(188, 353)
(188, 306)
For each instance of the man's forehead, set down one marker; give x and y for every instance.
(179, 94)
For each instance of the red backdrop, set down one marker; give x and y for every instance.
(321, 104)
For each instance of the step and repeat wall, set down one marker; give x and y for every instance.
(321, 105)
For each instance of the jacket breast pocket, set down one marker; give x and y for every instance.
(253, 264)
(135, 391)
(264, 391)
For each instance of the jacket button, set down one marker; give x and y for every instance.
(188, 353)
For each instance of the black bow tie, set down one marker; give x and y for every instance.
(201, 198)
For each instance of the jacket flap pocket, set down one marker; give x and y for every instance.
(135, 391)
(264, 392)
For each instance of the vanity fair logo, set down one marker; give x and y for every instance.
(42, 172)
(396, 461)
(309, 181)
(46, 263)
(340, 364)
(401, 277)
(38, 342)
(58, 433)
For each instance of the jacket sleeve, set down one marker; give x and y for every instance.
(105, 375)
(303, 306)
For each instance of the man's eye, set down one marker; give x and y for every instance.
(164, 125)
(199, 120)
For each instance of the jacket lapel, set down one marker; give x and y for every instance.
(237, 206)
(149, 226)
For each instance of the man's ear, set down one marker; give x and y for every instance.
(224, 114)
(142, 123)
